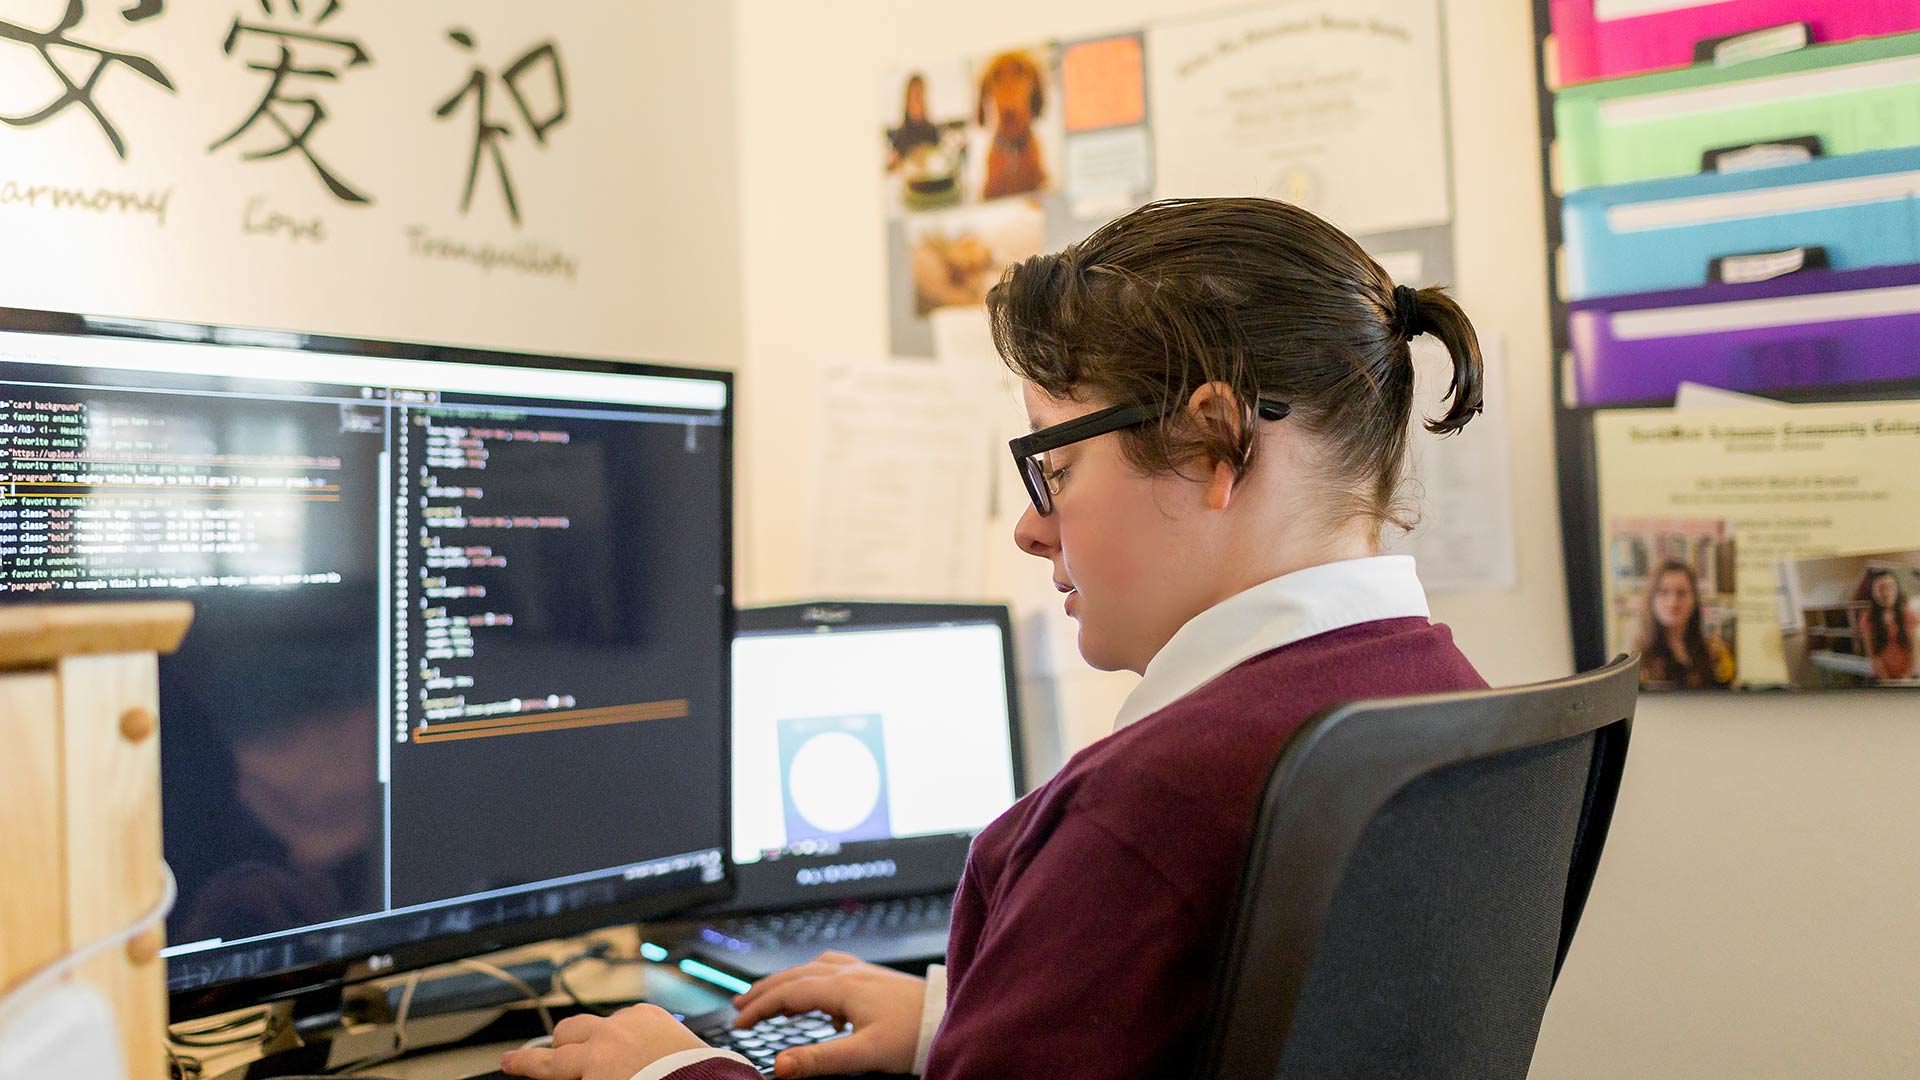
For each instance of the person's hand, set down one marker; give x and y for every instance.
(605, 1047)
(883, 1006)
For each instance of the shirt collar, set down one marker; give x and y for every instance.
(1281, 611)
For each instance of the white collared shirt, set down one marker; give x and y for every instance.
(1280, 611)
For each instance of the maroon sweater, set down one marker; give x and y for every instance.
(1088, 926)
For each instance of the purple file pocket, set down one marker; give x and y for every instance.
(1794, 332)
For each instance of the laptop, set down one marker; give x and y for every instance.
(871, 742)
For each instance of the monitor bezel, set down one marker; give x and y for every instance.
(334, 975)
(759, 886)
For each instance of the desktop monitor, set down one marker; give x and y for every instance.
(458, 674)
(872, 741)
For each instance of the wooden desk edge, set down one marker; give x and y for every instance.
(40, 634)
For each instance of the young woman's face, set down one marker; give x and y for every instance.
(1886, 591)
(1673, 600)
(1118, 542)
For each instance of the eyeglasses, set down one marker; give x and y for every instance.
(1030, 452)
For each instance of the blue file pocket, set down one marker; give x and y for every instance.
(1862, 209)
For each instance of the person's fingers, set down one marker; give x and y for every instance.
(566, 1063)
(793, 998)
(576, 1028)
(848, 1056)
(808, 970)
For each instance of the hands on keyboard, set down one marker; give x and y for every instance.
(762, 1041)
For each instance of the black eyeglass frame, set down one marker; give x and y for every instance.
(1028, 448)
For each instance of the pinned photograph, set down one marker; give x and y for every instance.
(1851, 620)
(955, 257)
(1015, 114)
(925, 138)
(1671, 599)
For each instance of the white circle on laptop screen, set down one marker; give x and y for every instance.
(835, 781)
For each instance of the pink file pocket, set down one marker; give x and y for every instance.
(1609, 39)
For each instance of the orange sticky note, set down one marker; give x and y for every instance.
(1104, 84)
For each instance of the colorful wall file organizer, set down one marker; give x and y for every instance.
(1864, 95)
(1806, 330)
(1612, 39)
(1860, 210)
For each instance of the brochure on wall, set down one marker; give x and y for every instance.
(1765, 546)
(1109, 156)
(1338, 106)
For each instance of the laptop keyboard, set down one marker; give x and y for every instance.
(828, 924)
(767, 1038)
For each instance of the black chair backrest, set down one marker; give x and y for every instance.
(1414, 880)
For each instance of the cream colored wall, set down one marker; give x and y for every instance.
(1755, 913)
(640, 184)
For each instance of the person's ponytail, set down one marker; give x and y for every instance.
(1437, 314)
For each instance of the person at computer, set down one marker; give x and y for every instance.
(1220, 391)
(1887, 625)
(1675, 650)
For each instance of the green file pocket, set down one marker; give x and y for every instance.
(1821, 101)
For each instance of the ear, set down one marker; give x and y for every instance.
(1039, 89)
(986, 80)
(1216, 409)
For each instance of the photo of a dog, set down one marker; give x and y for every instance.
(1013, 97)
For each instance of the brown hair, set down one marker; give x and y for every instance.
(1877, 616)
(1254, 293)
(1658, 663)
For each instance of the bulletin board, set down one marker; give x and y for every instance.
(1338, 106)
(1736, 323)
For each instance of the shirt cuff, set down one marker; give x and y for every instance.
(932, 1010)
(672, 1063)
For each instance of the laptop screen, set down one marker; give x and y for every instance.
(870, 743)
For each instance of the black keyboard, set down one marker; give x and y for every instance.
(824, 926)
(763, 1040)
(757, 1044)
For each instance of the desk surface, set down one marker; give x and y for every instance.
(658, 983)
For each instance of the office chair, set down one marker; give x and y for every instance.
(1414, 879)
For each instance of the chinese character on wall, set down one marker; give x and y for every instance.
(103, 61)
(301, 58)
(520, 78)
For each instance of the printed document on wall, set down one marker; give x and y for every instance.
(1334, 105)
(901, 487)
(1464, 538)
(1775, 523)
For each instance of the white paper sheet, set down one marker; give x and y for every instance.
(1107, 169)
(901, 488)
(1692, 395)
(1335, 105)
(1465, 536)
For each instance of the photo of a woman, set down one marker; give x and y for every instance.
(915, 129)
(925, 140)
(1887, 625)
(1674, 649)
